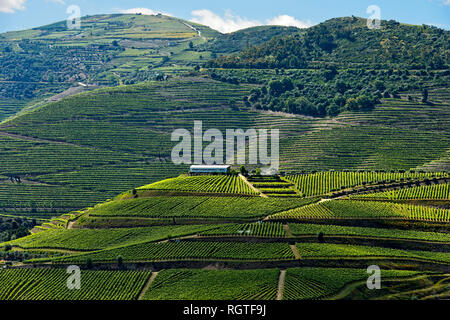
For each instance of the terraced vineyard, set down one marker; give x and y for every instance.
(232, 208)
(188, 250)
(51, 284)
(324, 182)
(186, 284)
(305, 229)
(337, 251)
(433, 192)
(209, 184)
(258, 229)
(357, 186)
(353, 209)
(141, 228)
(319, 283)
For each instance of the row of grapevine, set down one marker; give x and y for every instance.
(319, 283)
(182, 250)
(188, 284)
(434, 192)
(196, 207)
(348, 209)
(258, 229)
(51, 284)
(211, 184)
(332, 251)
(311, 211)
(325, 182)
(302, 229)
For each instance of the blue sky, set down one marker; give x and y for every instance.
(227, 16)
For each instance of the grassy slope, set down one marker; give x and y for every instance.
(97, 134)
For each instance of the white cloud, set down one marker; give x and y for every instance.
(289, 21)
(144, 11)
(11, 6)
(226, 24)
(446, 2)
(231, 22)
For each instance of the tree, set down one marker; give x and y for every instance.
(333, 110)
(89, 263)
(120, 262)
(243, 171)
(341, 86)
(379, 85)
(320, 237)
(258, 171)
(275, 88)
(425, 95)
(352, 104)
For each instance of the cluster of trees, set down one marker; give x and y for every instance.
(8, 255)
(13, 228)
(338, 40)
(317, 72)
(318, 97)
(236, 41)
(329, 90)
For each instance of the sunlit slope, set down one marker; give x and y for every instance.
(110, 140)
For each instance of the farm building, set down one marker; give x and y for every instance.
(209, 169)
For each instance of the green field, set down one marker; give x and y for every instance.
(209, 184)
(188, 250)
(303, 229)
(199, 207)
(320, 283)
(354, 209)
(336, 251)
(48, 284)
(188, 284)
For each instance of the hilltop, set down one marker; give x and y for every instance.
(107, 50)
(348, 42)
(340, 65)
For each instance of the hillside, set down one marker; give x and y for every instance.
(241, 39)
(245, 247)
(41, 63)
(340, 65)
(337, 40)
(364, 161)
(87, 148)
(107, 50)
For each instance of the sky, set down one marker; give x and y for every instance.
(230, 15)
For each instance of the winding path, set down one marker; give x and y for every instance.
(281, 285)
(147, 285)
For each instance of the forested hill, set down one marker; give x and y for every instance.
(348, 40)
(241, 39)
(340, 65)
